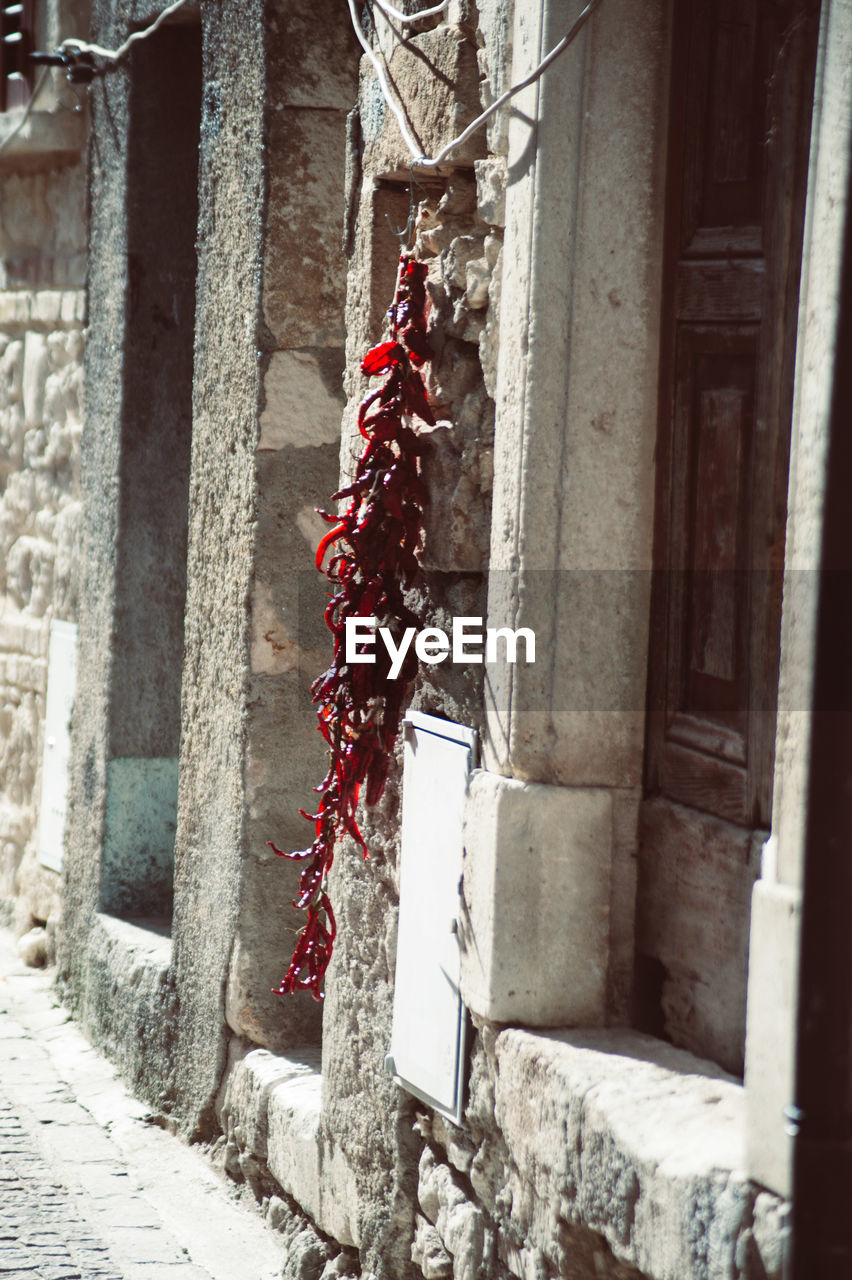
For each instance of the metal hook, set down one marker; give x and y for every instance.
(403, 234)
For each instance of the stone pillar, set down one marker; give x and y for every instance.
(268, 402)
(571, 529)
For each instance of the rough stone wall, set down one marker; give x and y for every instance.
(42, 269)
(365, 1117)
(590, 1155)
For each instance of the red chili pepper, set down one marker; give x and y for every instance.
(359, 708)
(383, 357)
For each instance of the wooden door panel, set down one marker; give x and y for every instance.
(739, 123)
(729, 59)
(703, 692)
(714, 291)
(693, 1003)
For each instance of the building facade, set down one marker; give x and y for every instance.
(637, 304)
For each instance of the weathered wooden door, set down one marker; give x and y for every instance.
(742, 87)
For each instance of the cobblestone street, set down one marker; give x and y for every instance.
(90, 1187)
(42, 1236)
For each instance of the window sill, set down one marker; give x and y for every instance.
(46, 139)
(270, 1111)
(640, 1142)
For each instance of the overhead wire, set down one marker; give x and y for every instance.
(74, 47)
(77, 47)
(408, 19)
(420, 160)
(115, 55)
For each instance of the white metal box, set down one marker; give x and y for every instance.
(61, 684)
(429, 1020)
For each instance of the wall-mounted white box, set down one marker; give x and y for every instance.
(429, 1020)
(61, 685)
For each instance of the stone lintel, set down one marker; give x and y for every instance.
(536, 887)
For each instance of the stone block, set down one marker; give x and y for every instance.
(629, 1137)
(429, 1253)
(457, 1223)
(304, 274)
(52, 136)
(15, 307)
(491, 178)
(313, 56)
(47, 306)
(11, 371)
(536, 887)
(73, 306)
(248, 1090)
(318, 1179)
(304, 399)
(436, 76)
(261, 948)
(36, 364)
(293, 1150)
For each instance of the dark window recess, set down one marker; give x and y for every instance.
(16, 45)
(156, 430)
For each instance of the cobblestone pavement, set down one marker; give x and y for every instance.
(42, 1236)
(90, 1188)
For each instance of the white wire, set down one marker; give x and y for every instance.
(13, 133)
(406, 19)
(114, 55)
(383, 83)
(422, 161)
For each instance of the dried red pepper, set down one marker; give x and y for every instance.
(359, 707)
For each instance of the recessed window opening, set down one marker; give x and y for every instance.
(16, 45)
(156, 431)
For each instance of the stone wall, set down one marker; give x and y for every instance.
(42, 304)
(365, 1124)
(601, 1154)
(263, 379)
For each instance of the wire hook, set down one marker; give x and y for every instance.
(403, 234)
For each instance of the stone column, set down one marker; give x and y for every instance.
(572, 519)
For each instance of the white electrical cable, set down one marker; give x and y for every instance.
(406, 19)
(114, 55)
(383, 83)
(424, 162)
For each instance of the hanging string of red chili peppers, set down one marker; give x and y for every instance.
(359, 707)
